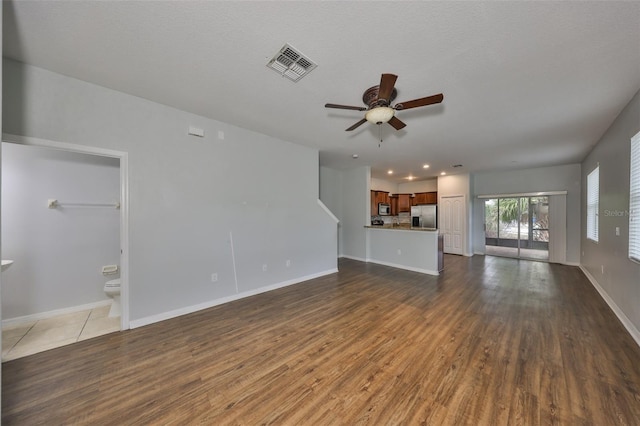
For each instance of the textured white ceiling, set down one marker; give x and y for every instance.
(525, 83)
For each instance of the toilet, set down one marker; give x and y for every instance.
(112, 289)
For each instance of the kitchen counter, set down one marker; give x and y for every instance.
(404, 247)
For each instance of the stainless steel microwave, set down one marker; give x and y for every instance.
(384, 209)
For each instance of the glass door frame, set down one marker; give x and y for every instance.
(520, 210)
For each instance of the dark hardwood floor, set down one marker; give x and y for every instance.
(492, 341)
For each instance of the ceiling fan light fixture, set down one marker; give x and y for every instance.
(379, 115)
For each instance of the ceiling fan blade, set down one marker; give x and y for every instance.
(429, 100)
(345, 107)
(358, 124)
(387, 81)
(397, 124)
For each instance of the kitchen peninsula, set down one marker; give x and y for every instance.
(404, 247)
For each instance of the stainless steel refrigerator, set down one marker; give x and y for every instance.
(424, 216)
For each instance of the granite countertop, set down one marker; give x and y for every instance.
(402, 227)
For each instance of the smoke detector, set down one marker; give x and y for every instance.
(290, 63)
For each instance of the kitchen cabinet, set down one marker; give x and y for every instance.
(382, 197)
(376, 198)
(425, 198)
(374, 205)
(393, 201)
(404, 203)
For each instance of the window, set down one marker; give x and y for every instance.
(593, 203)
(634, 200)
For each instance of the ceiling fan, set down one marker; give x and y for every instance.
(378, 100)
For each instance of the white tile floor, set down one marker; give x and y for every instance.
(38, 336)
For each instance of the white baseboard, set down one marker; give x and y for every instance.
(359, 259)
(572, 264)
(194, 308)
(614, 307)
(394, 265)
(407, 268)
(478, 253)
(44, 315)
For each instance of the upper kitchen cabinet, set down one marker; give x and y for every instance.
(382, 197)
(374, 203)
(425, 198)
(404, 203)
(378, 197)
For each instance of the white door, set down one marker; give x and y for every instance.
(452, 214)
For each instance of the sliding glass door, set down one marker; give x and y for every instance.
(517, 227)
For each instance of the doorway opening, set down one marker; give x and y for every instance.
(78, 210)
(517, 227)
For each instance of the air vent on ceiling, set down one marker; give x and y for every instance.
(290, 63)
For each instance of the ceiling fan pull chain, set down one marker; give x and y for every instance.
(380, 136)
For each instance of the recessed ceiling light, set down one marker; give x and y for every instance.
(390, 172)
(443, 173)
(426, 166)
(410, 177)
(354, 156)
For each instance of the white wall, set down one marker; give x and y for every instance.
(620, 281)
(347, 194)
(454, 185)
(429, 185)
(383, 185)
(57, 253)
(332, 197)
(411, 250)
(196, 204)
(555, 178)
(355, 211)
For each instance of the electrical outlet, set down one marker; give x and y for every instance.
(399, 252)
(617, 231)
(264, 267)
(214, 277)
(602, 268)
(288, 262)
